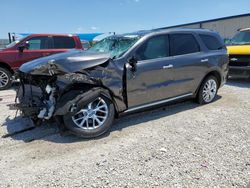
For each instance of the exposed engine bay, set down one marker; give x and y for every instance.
(37, 97)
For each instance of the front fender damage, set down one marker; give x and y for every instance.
(73, 102)
(65, 94)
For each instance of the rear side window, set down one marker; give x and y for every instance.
(181, 44)
(62, 42)
(38, 43)
(153, 48)
(211, 42)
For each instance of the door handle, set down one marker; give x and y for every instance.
(204, 60)
(168, 66)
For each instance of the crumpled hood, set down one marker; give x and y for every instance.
(68, 62)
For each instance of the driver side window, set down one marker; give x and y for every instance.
(153, 48)
(38, 43)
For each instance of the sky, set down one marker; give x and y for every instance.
(120, 16)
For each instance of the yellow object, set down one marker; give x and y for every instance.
(244, 29)
(239, 50)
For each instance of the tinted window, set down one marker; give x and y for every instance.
(183, 44)
(211, 42)
(243, 37)
(61, 42)
(156, 47)
(38, 43)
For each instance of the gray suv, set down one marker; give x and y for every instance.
(84, 91)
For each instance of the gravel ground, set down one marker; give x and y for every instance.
(183, 145)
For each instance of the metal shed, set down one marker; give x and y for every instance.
(226, 26)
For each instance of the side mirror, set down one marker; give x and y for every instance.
(23, 46)
(133, 63)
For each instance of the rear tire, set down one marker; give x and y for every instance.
(208, 90)
(90, 122)
(5, 78)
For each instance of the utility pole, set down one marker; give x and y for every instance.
(9, 37)
(13, 36)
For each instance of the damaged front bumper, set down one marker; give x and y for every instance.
(43, 98)
(35, 97)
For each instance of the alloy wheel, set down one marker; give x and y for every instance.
(209, 90)
(4, 79)
(92, 116)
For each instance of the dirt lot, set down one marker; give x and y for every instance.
(184, 145)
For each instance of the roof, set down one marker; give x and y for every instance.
(82, 36)
(206, 21)
(142, 33)
(198, 30)
(42, 34)
(148, 32)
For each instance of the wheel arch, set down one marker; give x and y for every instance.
(214, 73)
(84, 87)
(6, 66)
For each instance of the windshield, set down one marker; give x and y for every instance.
(243, 37)
(12, 44)
(115, 45)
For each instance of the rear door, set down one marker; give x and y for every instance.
(187, 62)
(62, 44)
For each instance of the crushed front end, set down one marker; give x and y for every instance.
(42, 81)
(36, 96)
(58, 87)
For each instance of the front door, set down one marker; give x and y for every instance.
(38, 47)
(151, 79)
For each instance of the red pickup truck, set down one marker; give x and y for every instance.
(32, 47)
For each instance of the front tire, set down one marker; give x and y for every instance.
(208, 90)
(5, 78)
(93, 120)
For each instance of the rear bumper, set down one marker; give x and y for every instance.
(239, 70)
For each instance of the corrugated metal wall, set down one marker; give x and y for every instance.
(226, 27)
